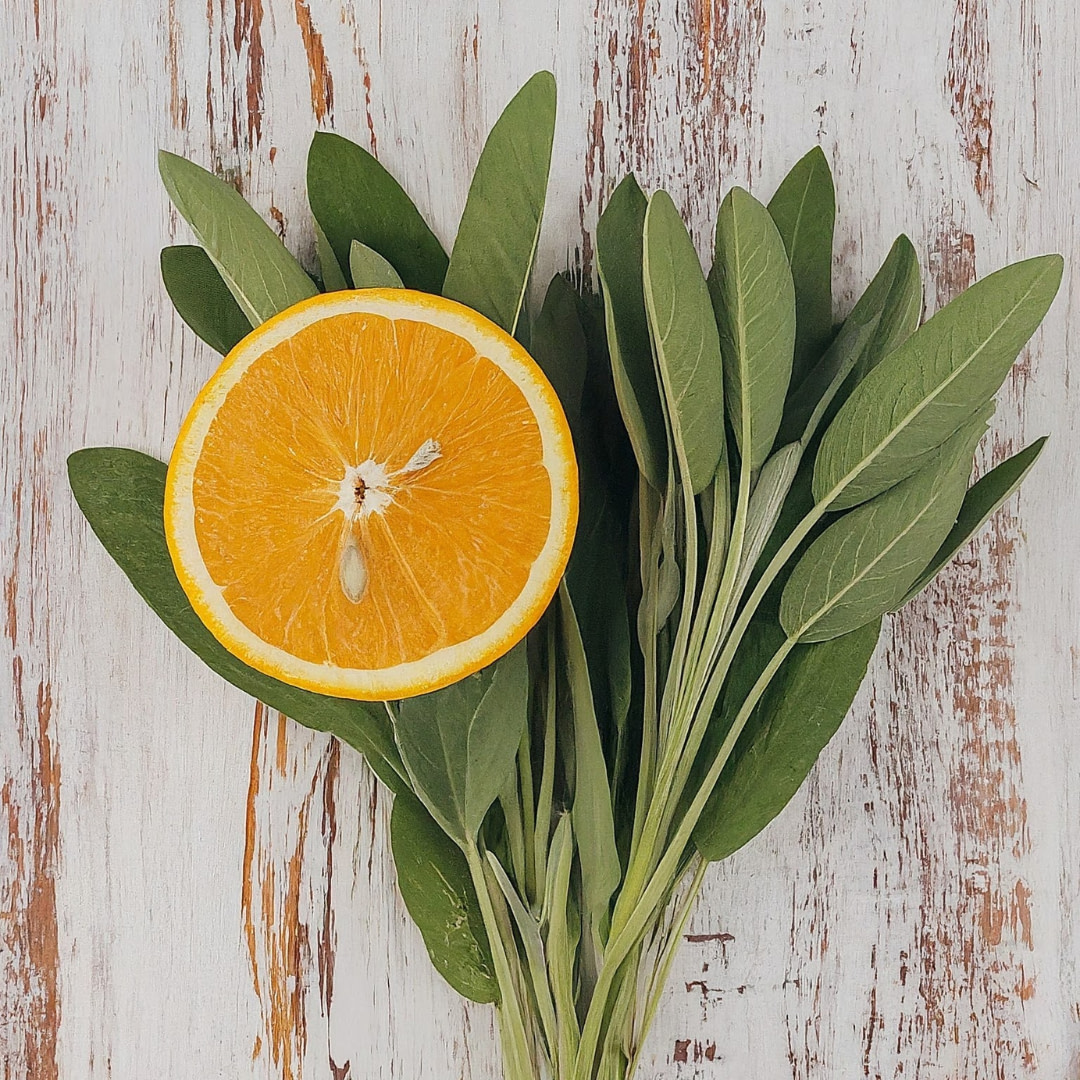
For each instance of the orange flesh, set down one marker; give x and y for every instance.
(446, 557)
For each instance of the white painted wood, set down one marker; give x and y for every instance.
(913, 911)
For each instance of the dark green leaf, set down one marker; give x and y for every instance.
(256, 266)
(619, 254)
(922, 392)
(559, 347)
(863, 565)
(370, 270)
(201, 297)
(354, 198)
(459, 744)
(496, 240)
(800, 712)
(122, 494)
(754, 300)
(981, 500)
(685, 340)
(333, 278)
(885, 316)
(804, 209)
(437, 888)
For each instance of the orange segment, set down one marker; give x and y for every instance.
(374, 496)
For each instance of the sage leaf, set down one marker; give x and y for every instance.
(354, 198)
(370, 270)
(559, 347)
(434, 880)
(766, 502)
(333, 278)
(531, 944)
(885, 316)
(685, 340)
(256, 266)
(619, 256)
(593, 819)
(459, 744)
(804, 209)
(122, 495)
(864, 563)
(801, 711)
(754, 300)
(922, 392)
(981, 501)
(201, 297)
(496, 239)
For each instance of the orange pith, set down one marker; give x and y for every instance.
(374, 495)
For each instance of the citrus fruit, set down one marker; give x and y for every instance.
(374, 495)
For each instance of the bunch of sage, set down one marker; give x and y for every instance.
(759, 487)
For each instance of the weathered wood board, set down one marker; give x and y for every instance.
(191, 886)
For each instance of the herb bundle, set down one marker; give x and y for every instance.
(758, 488)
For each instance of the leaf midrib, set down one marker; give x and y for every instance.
(868, 460)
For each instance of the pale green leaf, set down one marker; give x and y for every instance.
(370, 270)
(863, 564)
(685, 340)
(435, 883)
(496, 240)
(754, 301)
(201, 297)
(459, 744)
(922, 392)
(594, 824)
(122, 493)
(619, 255)
(982, 499)
(804, 209)
(354, 198)
(256, 266)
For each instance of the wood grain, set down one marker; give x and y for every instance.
(192, 886)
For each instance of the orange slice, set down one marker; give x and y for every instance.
(374, 495)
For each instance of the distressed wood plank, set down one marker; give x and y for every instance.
(191, 886)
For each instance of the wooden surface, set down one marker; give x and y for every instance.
(192, 887)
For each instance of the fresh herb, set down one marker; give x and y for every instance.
(759, 488)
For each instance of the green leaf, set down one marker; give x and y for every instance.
(804, 209)
(122, 493)
(922, 392)
(370, 270)
(619, 255)
(333, 279)
(354, 198)
(885, 316)
(804, 706)
(754, 300)
(863, 564)
(593, 818)
(256, 266)
(981, 500)
(459, 744)
(559, 347)
(496, 240)
(685, 339)
(435, 883)
(201, 297)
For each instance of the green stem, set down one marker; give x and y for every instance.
(660, 974)
(620, 943)
(516, 1045)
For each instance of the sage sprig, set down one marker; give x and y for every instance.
(760, 486)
